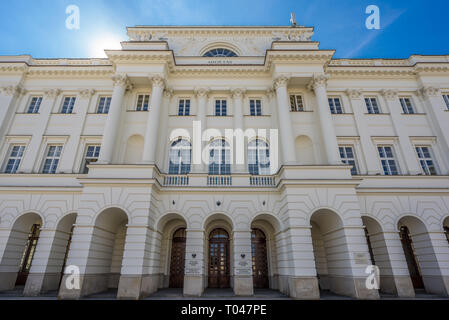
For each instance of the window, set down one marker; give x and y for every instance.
(220, 52)
(92, 155)
(446, 99)
(35, 104)
(347, 156)
(335, 106)
(372, 105)
(180, 157)
(15, 157)
(255, 107)
(219, 158)
(67, 106)
(143, 101)
(258, 157)
(426, 161)
(296, 103)
(407, 106)
(184, 107)
(220, 108)
(52, 159)
(388, 160)
(103, 105)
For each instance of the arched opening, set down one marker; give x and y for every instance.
(258, 157)
(177, 261)
(305, 154)
(219, 157)
(219, 259)
(134, 149)
(19, 251)
(259, 259)
(65, 234)
(180, 157)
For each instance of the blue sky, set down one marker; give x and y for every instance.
(37, 27)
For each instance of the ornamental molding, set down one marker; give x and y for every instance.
(281, 82)
(389, 94)
(52, 93)
(158, 81)
(270, 93)
(121, 80)
(354, 93)
(318, 81)
(86, 93)
(429, 91)
(202, 92)
(238, 93)
(13, 90)
(370, 72)
(70, 72)
(13, 68)
(168, 93)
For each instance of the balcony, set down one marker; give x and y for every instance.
(180, 180)
(218, 181)
(262, 181)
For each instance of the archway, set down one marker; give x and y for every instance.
(305, 154)
(19, 251)
(134, 149)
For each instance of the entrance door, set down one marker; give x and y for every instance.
(27, 257)
(219, 259)
(413, 267)
(260, 259)
(177, 262)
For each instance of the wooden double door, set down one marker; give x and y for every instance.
(260, 259)
(409, 252)
(177, 261)
(219, 270)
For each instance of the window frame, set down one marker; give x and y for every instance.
(106, 105)
(34, 111)
(184, 101)
(256, 169)
(222, 102)
(346, 158)
(9, 156)
(141, 108)
(182, 168)
(70, 106)
(408, 109)
(86, 158)
(446, 100)
(225, 152)
(334, 98)
(47, 157)
(426, 159)
(257, 107)
(371, 106)
(388, 159)
(295, 108)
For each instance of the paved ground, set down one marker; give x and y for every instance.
(209, 294)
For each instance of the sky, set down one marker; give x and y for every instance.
(38, 27)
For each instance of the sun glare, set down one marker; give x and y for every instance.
(98, 45)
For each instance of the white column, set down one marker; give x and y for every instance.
(368, 148)
(285, 124)
(405, 145)
(8, 101)
(237, 95)
(121, 83)
(163, 143)
(243, 275)
(151, 135)
(318, 84)
(202, 95)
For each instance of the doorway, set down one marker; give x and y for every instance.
(260, 260)
(177, 262)
(219, 259)
(410, 257)
(27, 257)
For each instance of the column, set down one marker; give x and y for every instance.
(285, 124)
(30, 157)
(405, 145)
(164, 143)
(202, 95)
(81, 107)
(152, 130)
(243, 275)
(121, 83)
(195, 275)
(140, 274)
(368, 148)
(318, 84)
(8, 101)
(237, 95)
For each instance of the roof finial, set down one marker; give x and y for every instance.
(293, 19)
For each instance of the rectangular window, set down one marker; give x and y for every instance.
(335, 106)
(52, 159)
(407, 106)
(184, 107)
(92, 155)
(255, 107)
(220, 108)
(446, 99)
(103, 105)
(296, 103)
(372, 106)
(143, 102)
(348, 157)
(67, 106)
(15, 157)
(35, 104)
(426, 160)
(388, 160)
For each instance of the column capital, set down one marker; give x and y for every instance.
(270, 93)
(52, 93)
(238, 93)
(13, 90)
(429, 91)
(318, 81)
(121, 80)
(354, 93)
(202, 92)
(390, 94)
(281, 81)
(158, 81)
(86, 93)
(168, 93)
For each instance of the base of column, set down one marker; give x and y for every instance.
(135, 287)
(437, 285)
(398, 285)
(304, 288)
(193, 286)
(41, 282)
(352, 287)
(243, 286)
(89, 284)
(7, 280)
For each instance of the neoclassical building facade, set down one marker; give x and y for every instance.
(98, 170)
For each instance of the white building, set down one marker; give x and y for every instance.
(87, 181)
